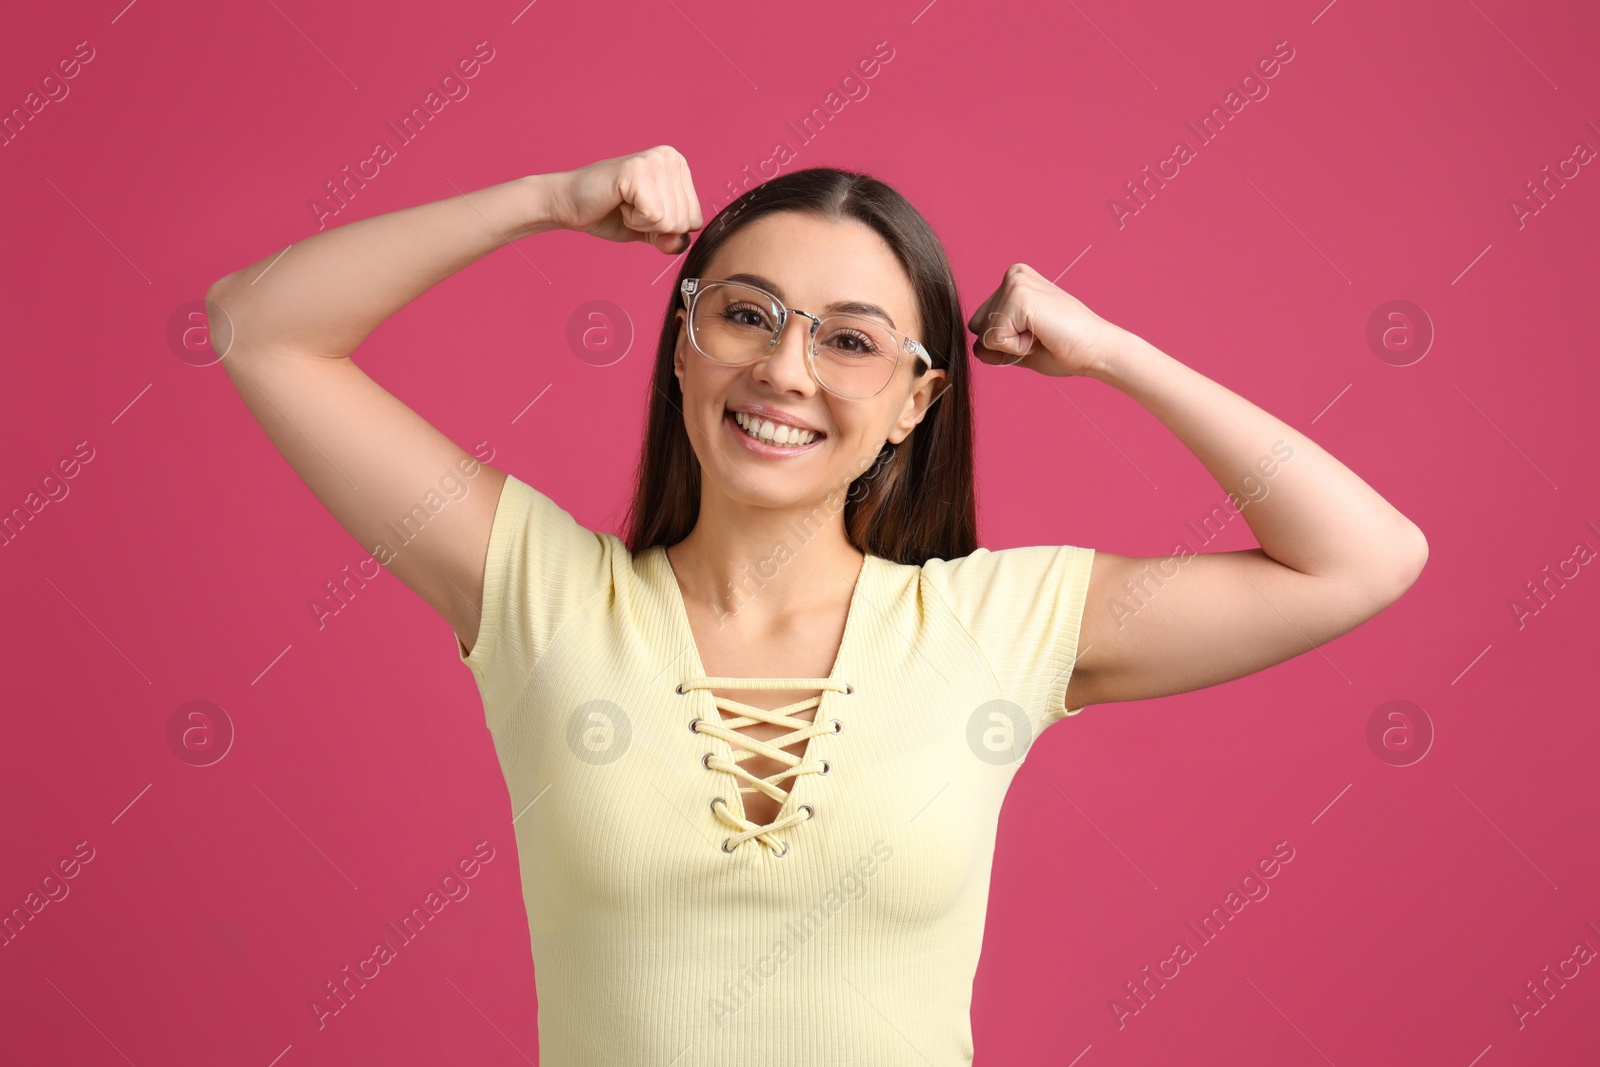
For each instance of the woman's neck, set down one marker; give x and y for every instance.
(741, 559)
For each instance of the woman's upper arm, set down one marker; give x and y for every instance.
(1170, 624)
(408, 494)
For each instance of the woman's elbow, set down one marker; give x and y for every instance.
(219, 323)
(220, 287)
(1405, 556)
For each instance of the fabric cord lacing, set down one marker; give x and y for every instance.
(746, 747)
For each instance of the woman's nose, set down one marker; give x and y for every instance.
(788, 365)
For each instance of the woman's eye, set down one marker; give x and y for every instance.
(852, 343)
(746, 316)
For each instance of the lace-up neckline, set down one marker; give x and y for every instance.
(773, 748)
(729, 810)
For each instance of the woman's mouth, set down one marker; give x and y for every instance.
(770, 438)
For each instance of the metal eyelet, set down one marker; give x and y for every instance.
(811, 813)
(725, 847)
(714, 802)
(785, 852)
(705, 761)
(679, 689)
(826, 767)
(838, 727)
(692, 721)
(848, 689)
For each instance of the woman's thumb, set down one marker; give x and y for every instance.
(670, 243)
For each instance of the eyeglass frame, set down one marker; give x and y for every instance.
(691, 288)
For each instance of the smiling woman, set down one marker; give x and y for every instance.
(870, 689)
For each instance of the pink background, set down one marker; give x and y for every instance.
(182, 563)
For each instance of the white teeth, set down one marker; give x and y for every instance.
(779, 434)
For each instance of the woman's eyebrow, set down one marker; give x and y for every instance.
(843, 307)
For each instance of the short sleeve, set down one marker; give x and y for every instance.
(541, 569)
(1024, 608)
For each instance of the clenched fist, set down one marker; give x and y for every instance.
(646, 196)
(1028, 320)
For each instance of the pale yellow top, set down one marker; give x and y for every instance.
(848, 931)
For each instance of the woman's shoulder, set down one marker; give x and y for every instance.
(1022, 572)
(523, 502)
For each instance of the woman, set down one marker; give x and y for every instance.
(757, 751)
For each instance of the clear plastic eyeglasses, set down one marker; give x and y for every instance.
(738, 324)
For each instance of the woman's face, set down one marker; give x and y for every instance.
(809, 263)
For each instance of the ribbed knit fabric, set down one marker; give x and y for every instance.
(856, 944)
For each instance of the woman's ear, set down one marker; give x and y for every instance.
(678, 348)
(929, 388)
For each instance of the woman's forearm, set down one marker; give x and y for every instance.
(1307, 510)
(326, 293)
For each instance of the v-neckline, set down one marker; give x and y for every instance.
(675, 595)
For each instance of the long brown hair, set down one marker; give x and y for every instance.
(916, 502)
